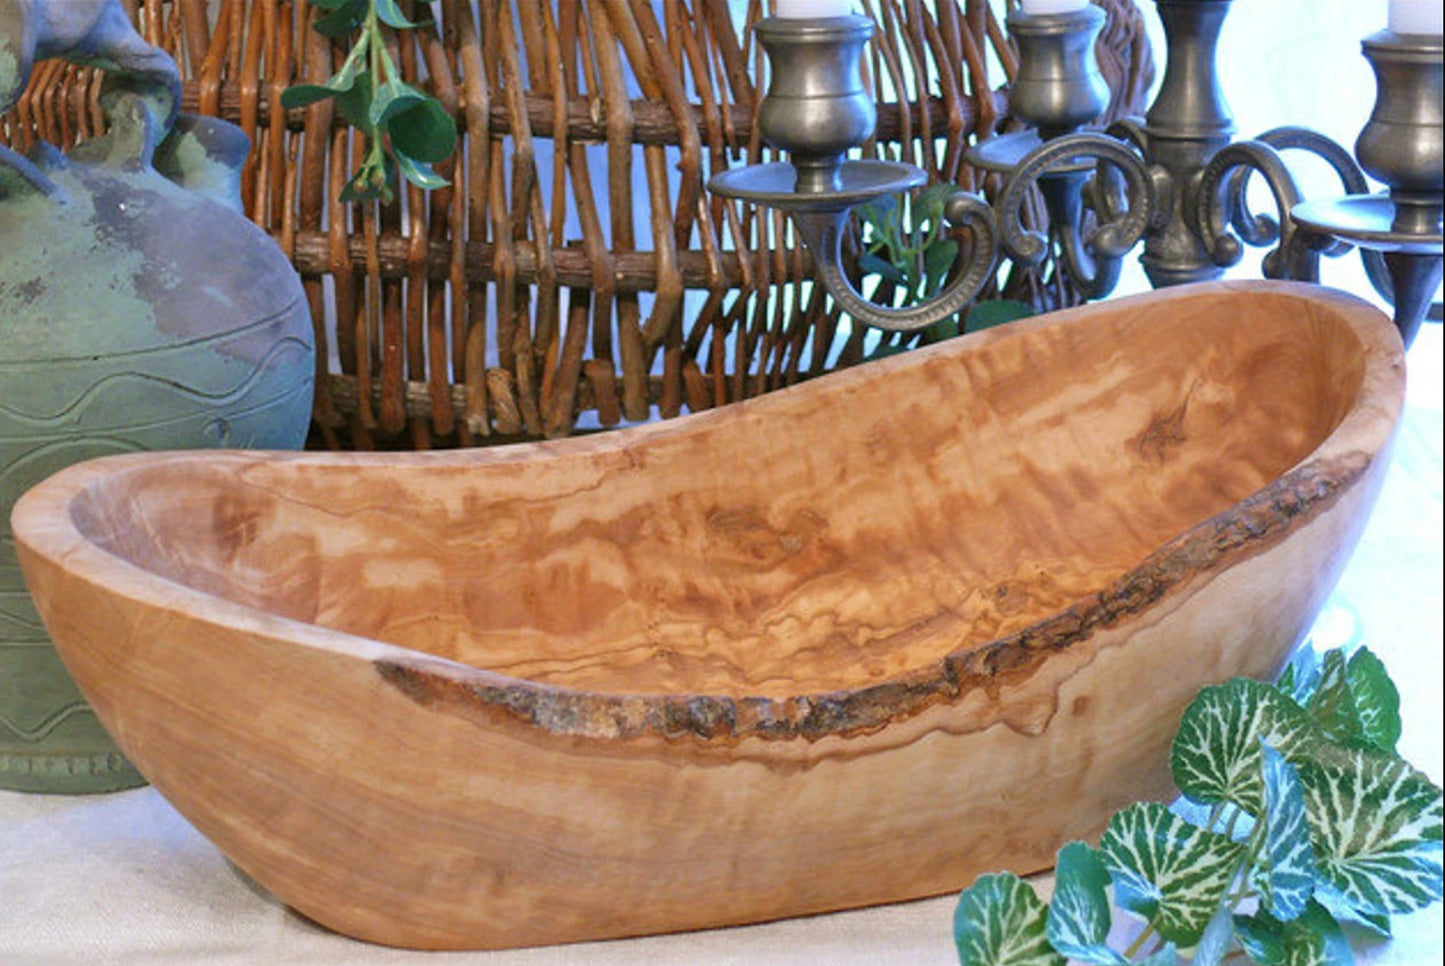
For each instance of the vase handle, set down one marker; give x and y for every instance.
(21, 176)
(205, 154)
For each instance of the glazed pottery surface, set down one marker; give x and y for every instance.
(135, 314)
(849, 643)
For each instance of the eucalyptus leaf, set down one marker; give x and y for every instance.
(343, 19)
(388, 175)
(417, 174)
(999, 921)
(423, 131)
(389, 13)
(1377, 828)
(1078, 918)
(393, 98)
(928, 217)
(1215, 756)
(918, 260)
(1288, 858)
(355, 104)
(892, 223)
(1167, 870)
(405, 129)
(354, 65)
(304, 95)
(880, 221)
(338, 83)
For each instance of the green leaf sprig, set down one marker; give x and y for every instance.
(916, 257)
(1312, 818)
(406, 130)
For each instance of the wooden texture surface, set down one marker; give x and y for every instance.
(848, 643)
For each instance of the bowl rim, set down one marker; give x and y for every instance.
(43, 525)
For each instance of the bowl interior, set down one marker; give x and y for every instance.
(818, 539)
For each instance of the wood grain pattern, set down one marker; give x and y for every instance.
(848, 643)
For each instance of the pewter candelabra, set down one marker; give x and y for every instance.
(816, 109)
(1175, 180)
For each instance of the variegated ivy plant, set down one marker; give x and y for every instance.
(1297, 814)
(406, 130)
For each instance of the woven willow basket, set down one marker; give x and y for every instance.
(577, 273)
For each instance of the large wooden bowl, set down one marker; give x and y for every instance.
(849, 643)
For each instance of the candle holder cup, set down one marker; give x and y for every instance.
(816, 110)
(1058, 90)
(817, 107)
(1400, 146)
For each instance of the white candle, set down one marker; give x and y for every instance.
(1417, 17)
(811, 9)
(1032, 7)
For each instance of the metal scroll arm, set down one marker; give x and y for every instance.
(1223, 204)
(1217, 208)
(1260, 230)
(823, 230)
(1124, 213)
(1352, 180)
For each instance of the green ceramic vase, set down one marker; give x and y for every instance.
(139, 310)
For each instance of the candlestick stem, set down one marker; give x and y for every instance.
(1188, 123)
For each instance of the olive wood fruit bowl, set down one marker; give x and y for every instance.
(852, 642)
